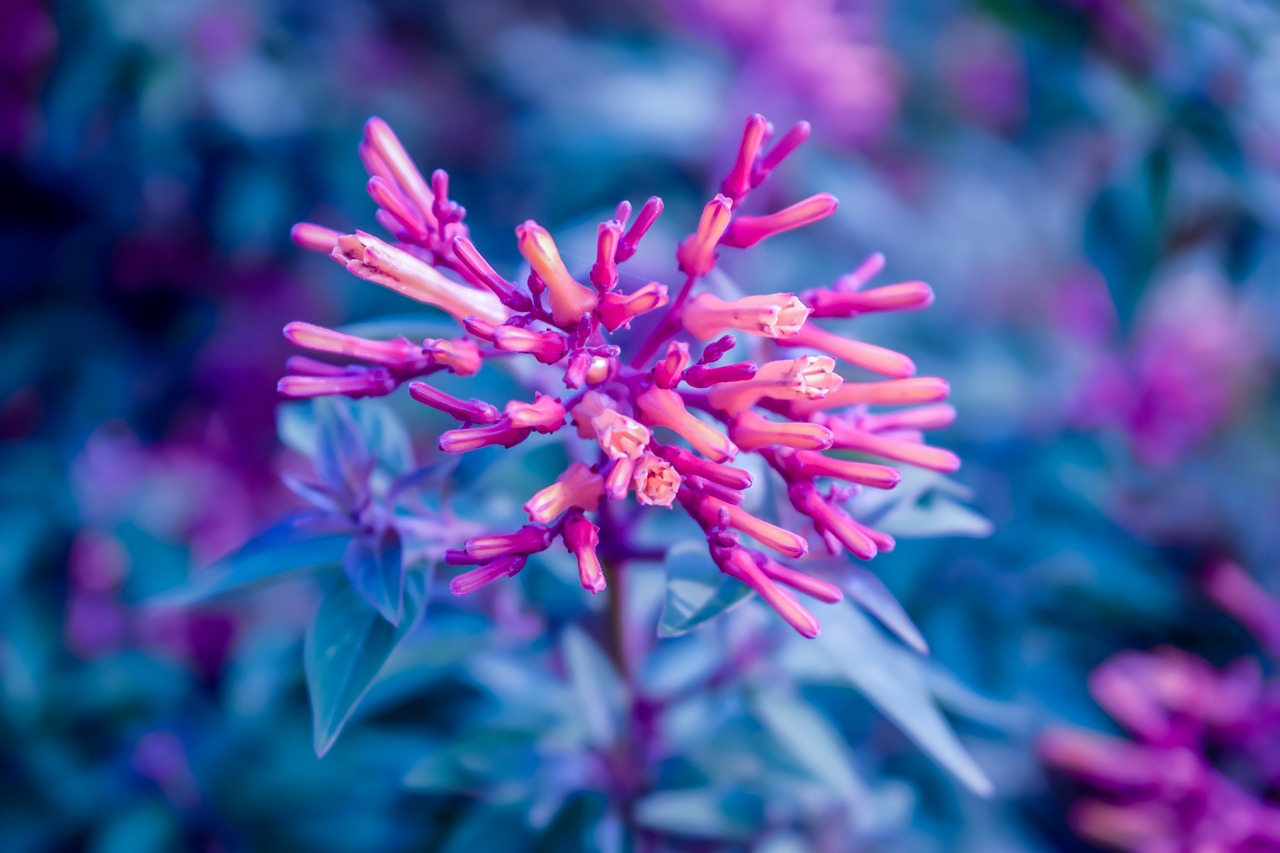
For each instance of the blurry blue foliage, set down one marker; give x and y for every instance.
(1062, 171)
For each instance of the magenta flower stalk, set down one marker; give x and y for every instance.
(662, 418)
(1202, 761)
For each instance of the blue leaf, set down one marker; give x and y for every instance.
(385, 436)
(346, 647)
(939, 516)
(696, 590)
(342, 459)
(374, 564)
(869, 591)
(596, 686)
(697, 813)
(892, 678)
(305, 541)
(810, 739)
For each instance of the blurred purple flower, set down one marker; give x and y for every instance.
(27, 43)
(784, 409)
(823, 58)
(1203, 757)
(1188, 363)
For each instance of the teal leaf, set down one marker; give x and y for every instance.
(385, 436)
(342, 460)
(893, 679)
(935, 517)
(864, 587)
(697, 591)
(346, 646)
(697, 813)
(810, 739)
(300, 542)
(597, 688)
(374, 564)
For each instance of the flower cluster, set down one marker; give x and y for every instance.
(1205, 742)
(631, 409)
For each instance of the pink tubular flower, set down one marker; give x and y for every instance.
(776, 315)
(578, 486)
(656, 481)
(635, 399)
(618, 310)
(581, 538)
(697, 254)
(376, 261)
(569, 300)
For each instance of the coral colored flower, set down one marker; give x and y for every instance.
(776, 315)
(658, 415)
(656, 481)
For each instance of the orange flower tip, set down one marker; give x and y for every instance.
(569, 300)
(578, 487)
(656, 481)
(773, 315)
(314, 238)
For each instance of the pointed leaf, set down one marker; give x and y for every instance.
(697, 591)
(892, 678)
(385, 435)
(939, 516)
(696, 813)
(346, 647)
(596, 687)
(810, 739)
(374, 565)
(300, 542)
(342, 459)
(869, 591)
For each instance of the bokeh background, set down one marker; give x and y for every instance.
(1091, 188)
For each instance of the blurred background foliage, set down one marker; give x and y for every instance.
(1090, 187)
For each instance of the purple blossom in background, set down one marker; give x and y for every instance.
(1201, 766)
(1187, 366)
(618, 389)
(823, 58)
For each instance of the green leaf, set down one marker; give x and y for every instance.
(373, 563)
(297, 543)
(893, 679)
(697, 591)
(810, 739)
(346, 646)
(596, 686)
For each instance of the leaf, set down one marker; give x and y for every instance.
(596, 687)
(892, 678)
(810, 739)
(385, 436)
(936, 517)
(299, 542)
(341, 459)
(697, 591)
(696, 813)
(296, 428)
(373, 563)
(869, 591)
(346, 646)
